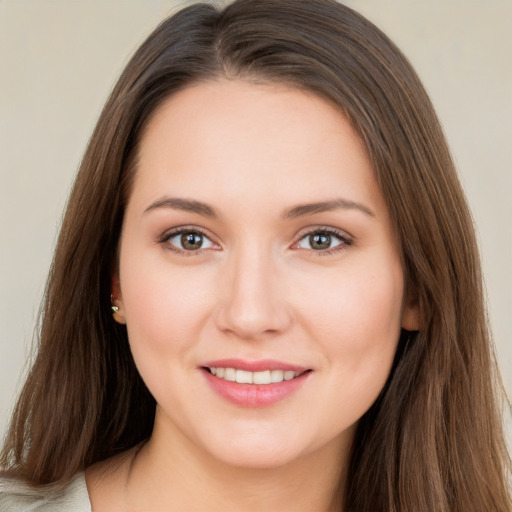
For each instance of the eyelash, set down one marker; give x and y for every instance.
(169, 235)
(344, 239)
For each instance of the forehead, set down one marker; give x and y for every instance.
(253, 139)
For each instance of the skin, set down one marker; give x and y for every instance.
(256, 289)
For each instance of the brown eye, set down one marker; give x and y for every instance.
(320, 241)
(323, 241)
(191, 241)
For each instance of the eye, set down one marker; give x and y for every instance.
(188, 240)
(323, 241)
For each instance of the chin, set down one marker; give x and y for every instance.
(258, 456)
(263, 448)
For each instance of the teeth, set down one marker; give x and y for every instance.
(245, 377)
(276, 376)
(230, 374)
(261, 377)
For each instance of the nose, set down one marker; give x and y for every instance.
(253, 303)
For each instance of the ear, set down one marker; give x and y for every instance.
(116, 299)
(411, 314)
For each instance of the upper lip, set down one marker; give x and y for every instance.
(254, 366)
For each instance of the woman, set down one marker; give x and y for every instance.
(269, 209)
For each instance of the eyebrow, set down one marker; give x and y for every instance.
(188, 205)
(191, 205)
(326, 206)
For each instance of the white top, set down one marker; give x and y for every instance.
(16, 496)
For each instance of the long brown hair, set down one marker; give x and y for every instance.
(433, 440)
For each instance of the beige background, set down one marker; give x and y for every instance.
(59, 59)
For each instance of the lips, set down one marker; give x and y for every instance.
(254, 384)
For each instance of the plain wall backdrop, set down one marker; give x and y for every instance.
(60, 58)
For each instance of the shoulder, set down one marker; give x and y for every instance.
(17, 496)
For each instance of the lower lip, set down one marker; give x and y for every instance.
(254, 395)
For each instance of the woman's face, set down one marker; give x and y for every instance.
(256, 245)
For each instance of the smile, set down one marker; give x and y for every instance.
(247, 377)
(254, 384)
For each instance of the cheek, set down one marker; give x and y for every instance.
(357, 328)
(355, 319)
(371, 310)
(165, 306)
(165, 311)
(363, 307)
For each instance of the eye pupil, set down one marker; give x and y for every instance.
(191, 241)
(320, 241)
